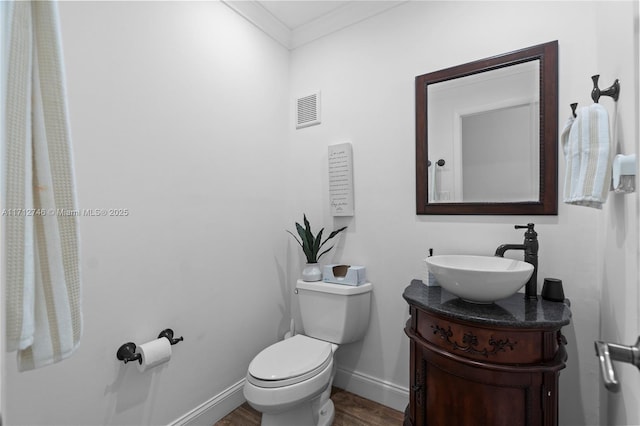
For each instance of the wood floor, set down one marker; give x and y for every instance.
(351, 410)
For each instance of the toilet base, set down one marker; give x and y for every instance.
(327, 413)
(304, 414)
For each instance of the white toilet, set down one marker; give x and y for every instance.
(290, 381)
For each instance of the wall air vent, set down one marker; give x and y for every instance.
(308, 110)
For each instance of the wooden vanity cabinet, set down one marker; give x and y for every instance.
(470, 372)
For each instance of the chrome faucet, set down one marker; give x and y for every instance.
(530, 248)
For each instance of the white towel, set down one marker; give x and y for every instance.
(587, 149)
(43, 293)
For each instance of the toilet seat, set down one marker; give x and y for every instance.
(289, 361)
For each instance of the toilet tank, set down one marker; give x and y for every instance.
(334, 313)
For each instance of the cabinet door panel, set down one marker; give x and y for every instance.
(453, 400)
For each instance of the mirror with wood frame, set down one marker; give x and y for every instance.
(487, 135)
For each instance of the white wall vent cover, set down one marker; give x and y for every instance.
(308, 110)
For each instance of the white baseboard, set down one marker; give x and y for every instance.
(209, 412)
(380, 391)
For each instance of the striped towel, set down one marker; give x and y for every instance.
(587, 149)
(43, 312)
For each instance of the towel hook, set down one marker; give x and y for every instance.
(573, 109)
(612, 91)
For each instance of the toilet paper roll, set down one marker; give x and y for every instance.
(154, 353)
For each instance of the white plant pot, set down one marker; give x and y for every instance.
(312, 272)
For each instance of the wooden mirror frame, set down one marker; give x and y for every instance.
(547, 203)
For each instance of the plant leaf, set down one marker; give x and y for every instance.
(307, 230)
(311, 254)
(325, 252)
(295, 238)
(306, 243)
(333, 234)
(300, 230)
(316, 243)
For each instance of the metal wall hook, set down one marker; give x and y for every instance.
(612, 91)
(573, 109)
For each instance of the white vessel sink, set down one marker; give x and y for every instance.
(479, 279)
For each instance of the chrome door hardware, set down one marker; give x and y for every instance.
(606, 352)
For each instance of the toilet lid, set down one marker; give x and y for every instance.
(298, 357)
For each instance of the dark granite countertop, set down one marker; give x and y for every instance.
(513, 311)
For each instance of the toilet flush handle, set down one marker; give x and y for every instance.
(606, 352)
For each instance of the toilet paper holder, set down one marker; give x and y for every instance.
(168, 333)
(127, 352)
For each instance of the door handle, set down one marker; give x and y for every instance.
(607, 352)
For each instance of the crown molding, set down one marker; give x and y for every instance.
(253, 12)
(340, 18)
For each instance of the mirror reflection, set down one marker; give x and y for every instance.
(486, 129)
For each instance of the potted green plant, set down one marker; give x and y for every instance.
(311, 246)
